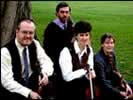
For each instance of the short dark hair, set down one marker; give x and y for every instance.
(82, 27)
(105, 36)
(61, 5)
(24, 19)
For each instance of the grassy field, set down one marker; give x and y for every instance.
(115, 17)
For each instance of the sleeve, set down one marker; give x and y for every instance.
(47, 42)
(65, 61)
(7, 79)
(46, 63)
(91, 58)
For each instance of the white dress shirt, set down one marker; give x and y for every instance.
(65, 61)
(7, 78)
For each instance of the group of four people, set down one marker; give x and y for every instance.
(66, 55)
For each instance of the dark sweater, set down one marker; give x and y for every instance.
(55, 39)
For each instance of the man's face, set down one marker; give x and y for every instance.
(63, 14)
(108, 45)
(25, 33)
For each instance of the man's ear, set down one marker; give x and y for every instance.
(17, 30)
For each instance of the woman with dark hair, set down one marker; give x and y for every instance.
(76, 63)
(111, 82)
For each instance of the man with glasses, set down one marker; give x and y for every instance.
(23, 60)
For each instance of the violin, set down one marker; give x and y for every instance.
(86, 66)
(117, 79)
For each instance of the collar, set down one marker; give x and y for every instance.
(19, 46)
(77, 49)
(59, 23)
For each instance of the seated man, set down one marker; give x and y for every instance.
(22, 61)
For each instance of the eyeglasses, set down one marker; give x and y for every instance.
(64, 12)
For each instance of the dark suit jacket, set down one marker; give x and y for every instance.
(104, 75)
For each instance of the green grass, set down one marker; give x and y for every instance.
(105, 16)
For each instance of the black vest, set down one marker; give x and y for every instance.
(75, 59)
(16, 63)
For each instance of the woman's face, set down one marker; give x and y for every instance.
(108, 45)
(83, 39)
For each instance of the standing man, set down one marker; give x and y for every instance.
(22, 61)
(58, 34)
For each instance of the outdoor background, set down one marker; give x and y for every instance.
(115, 17)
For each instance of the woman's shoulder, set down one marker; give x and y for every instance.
(98, 57)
